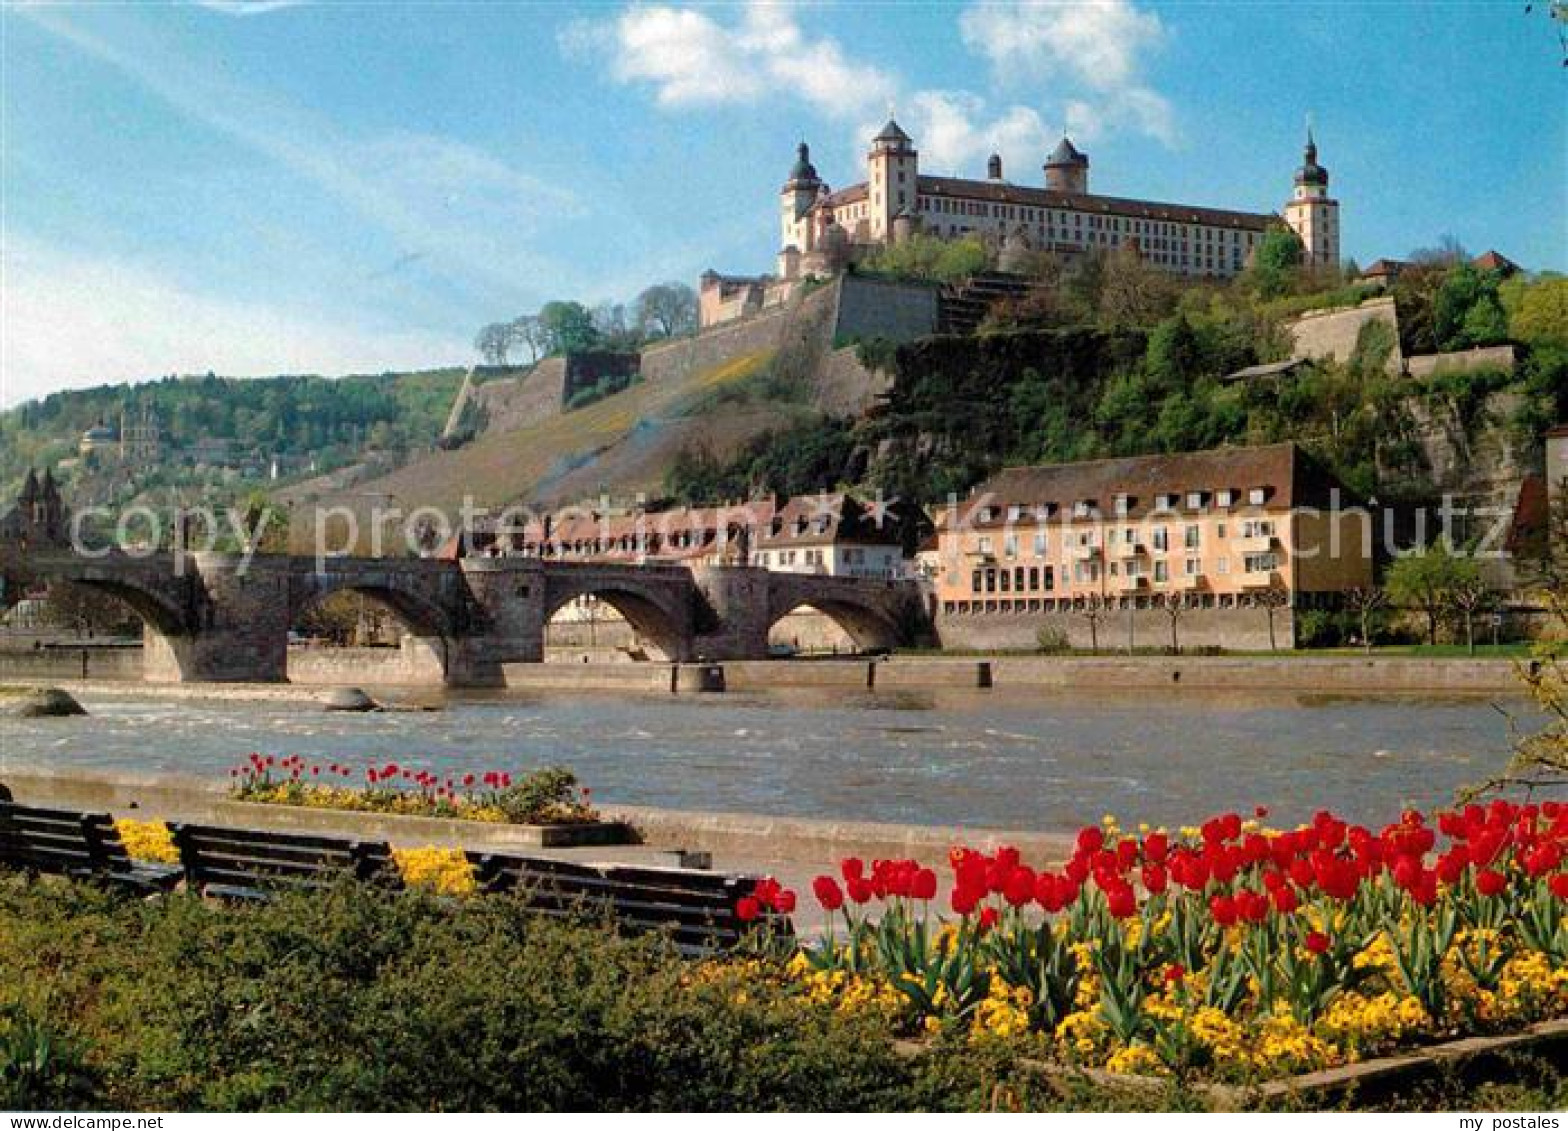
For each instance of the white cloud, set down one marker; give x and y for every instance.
(247, 7)
(954, 135)
(692, 59)
(1096, 42)
(69, 320)
(1098, 47)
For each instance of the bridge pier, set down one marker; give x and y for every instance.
(238, 630)
(509, 599)
(738, 614)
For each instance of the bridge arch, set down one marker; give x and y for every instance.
(659, 622)
(867, 626)
(424, 651)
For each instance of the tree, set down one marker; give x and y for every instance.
(1276, 264)
(1428, 579)
(1541, 313)
(1094, 608)
(1471, 596)
(494, 342)
(85, 611)
(567, 327)
(666, 309)
(525, 332)
(1365, 602)
(1132, 291)
(1176, 606)
(1271, 600)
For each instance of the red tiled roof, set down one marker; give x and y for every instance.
(1290, 477)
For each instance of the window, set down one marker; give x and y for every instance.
(990, 581)
(1257, 528)
(1261, 563)
(1164, 502)
(1192, 567)
(975, 581)
(1049, 578)
(1157, 536)
(1007, 581)
(1034, 579)
(1018, 579)
(1014, 512)
(1257, 495)
(1190, 536)
(1082, 508)
(1219, 530)
(1122, 504)
(1010, 546)
(1040, 546)
(985, 544)
(1161, 572)
(1194, 500)
(1224, 565)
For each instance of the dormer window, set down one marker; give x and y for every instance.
(1123, 504)
(1224, 497)
(1083, 508)
(1257, 495)
(987, 514)
(1014, 512)
(1164, 502)
(1194, 500)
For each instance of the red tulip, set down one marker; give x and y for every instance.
(988, 918)
(1317, 942)
(859, 890)
(963, 900)
(1154, 879)
(1559, 885)
(852, 869)
(1155, 847)
(784, 902)
(1285, 900)
(1490, 883)
(1174, 973)
(1090, 839)
(923, 886)
(828, 893)
(747, 909)
(1121, 901)
(1223, 909)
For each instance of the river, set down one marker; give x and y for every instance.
(1006, 758)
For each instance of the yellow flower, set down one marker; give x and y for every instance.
(148, 840)
(1135, 1060)
(444, 870)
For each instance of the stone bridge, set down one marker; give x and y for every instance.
(211, 617)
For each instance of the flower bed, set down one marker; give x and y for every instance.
(1228, 951)
(549, 796)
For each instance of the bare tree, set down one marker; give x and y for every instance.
(494, 342)
(1094, 609)
(667, 309)
(1176, 606)
(1470, 596)
(1271, 600)
(1365, 602)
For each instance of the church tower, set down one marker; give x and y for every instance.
(795, 200)
(891, 187)
(1312, 214)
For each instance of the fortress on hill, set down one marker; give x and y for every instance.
(822, 231)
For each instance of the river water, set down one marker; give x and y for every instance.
(1006, 758)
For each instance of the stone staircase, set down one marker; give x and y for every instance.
(963, 306)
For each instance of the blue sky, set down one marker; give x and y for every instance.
(347, 187)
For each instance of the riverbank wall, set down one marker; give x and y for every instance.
(761, 839)
(391, 667)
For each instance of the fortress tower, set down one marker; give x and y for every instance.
(1312, 214)
(895, 168)
(1066, 169)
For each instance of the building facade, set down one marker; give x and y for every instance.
(1222, 529)
(820, 229)
(829, 534)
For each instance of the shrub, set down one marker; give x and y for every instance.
(1051, 639)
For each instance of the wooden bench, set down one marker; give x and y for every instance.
(255, 864)
(698, 908)
(87, 846)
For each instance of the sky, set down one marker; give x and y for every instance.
(282, 187)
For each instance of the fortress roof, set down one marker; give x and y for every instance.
(1089, 202)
